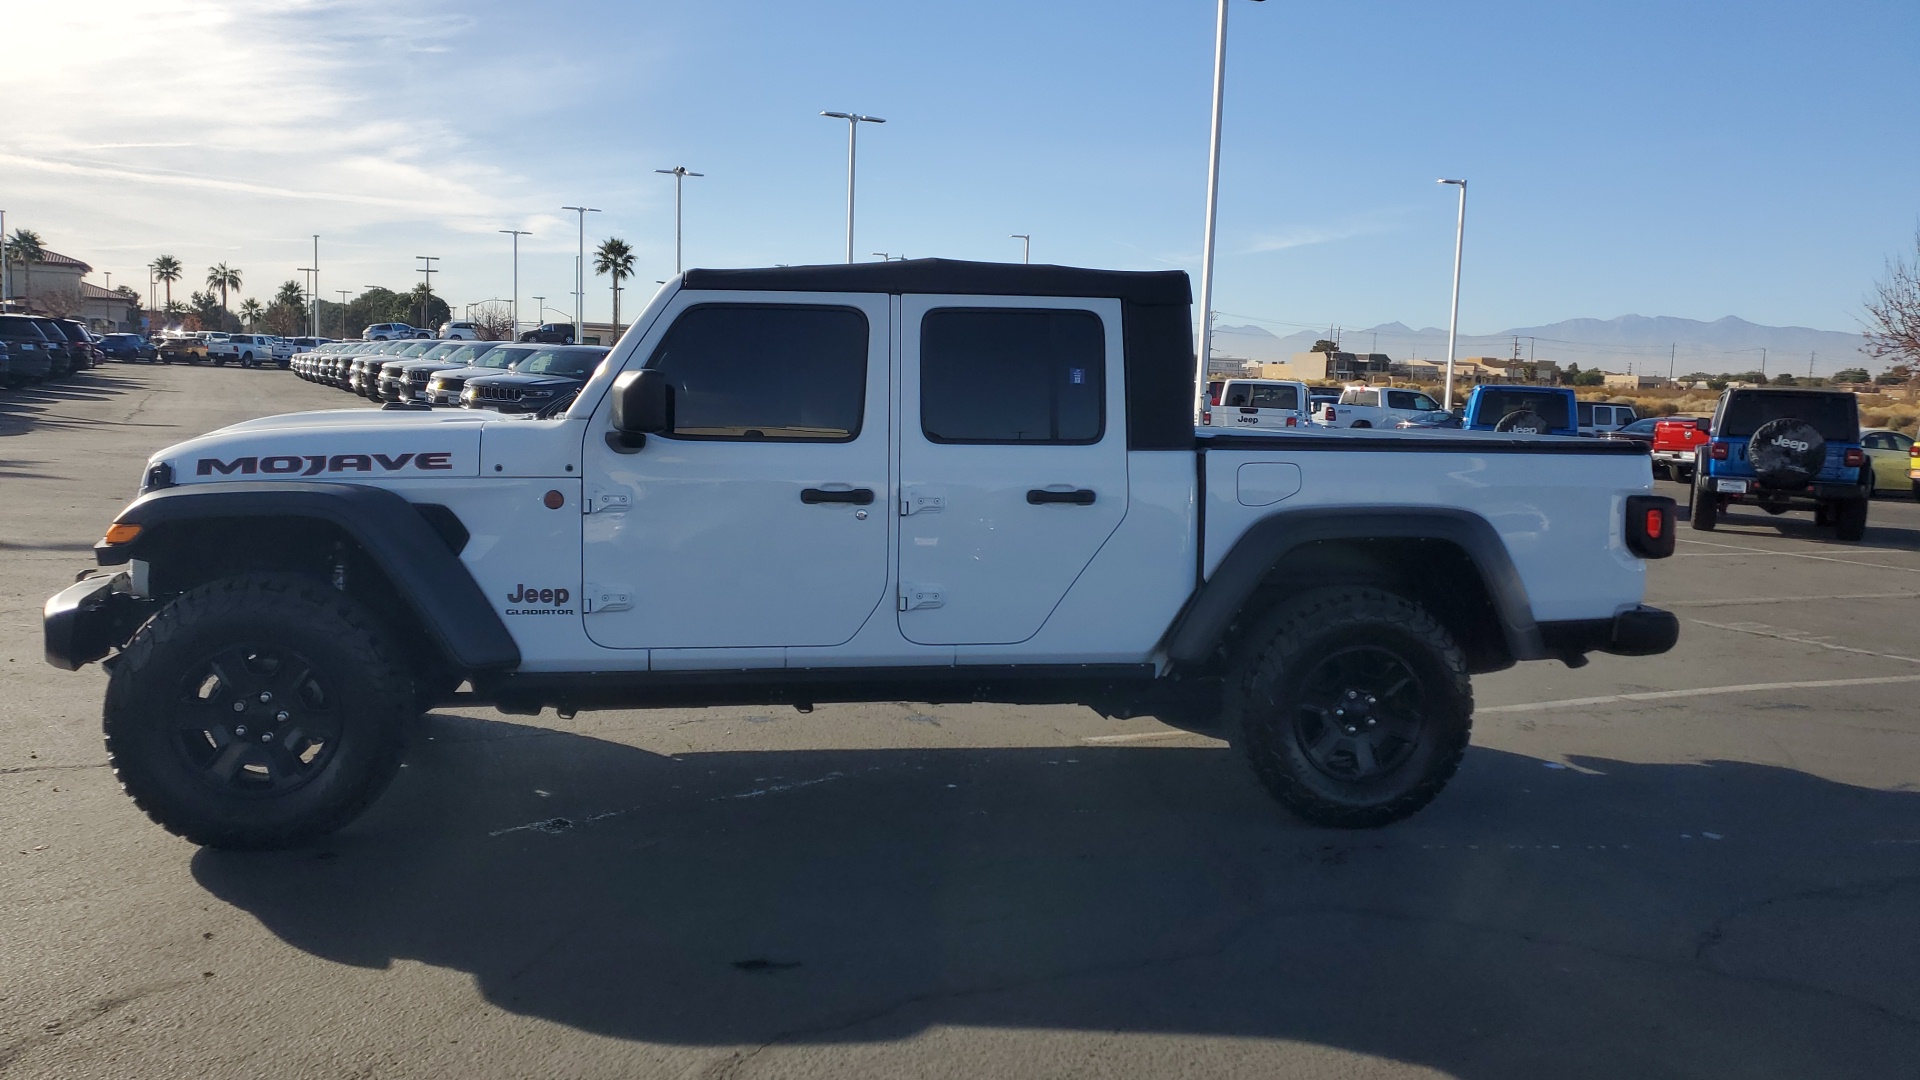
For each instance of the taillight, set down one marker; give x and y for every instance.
(1650, 526)
(1855, 458)
(1206, 417)
(1718, 450)
(1293, 421)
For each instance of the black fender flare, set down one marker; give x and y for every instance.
(1204, 622)
(416, 547)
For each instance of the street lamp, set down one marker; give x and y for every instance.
(539, 311)
(313, 301)
(313, 316)
(516, 234)
(854, 120)
(580, 274)
(1026, 245)
(1213, 206)
(679, 174)
(1453, 322)
(343, 311)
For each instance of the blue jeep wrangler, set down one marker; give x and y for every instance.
(1785, 450)
(1523, 410)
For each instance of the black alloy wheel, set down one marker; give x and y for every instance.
(1360, 713)
(255, 720)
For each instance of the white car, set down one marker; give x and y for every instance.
(1379, 407)
(390, 331)
(1242, 404)
(460, 331)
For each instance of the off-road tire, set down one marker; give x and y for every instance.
(1283, 660)
(1706, 505)
(1850, 520)
(150, 703)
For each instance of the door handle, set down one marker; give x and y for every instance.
(1078, 497)
(856, 496)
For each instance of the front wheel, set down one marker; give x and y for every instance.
(1353, 706)
(258, 711)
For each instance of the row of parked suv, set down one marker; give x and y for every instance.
(34, 348)
(507, 376)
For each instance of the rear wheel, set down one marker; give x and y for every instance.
(1706, 505)
(258, 711)
(1850, 519)
(1353, 706)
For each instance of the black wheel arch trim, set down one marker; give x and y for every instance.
(1204, 622)
(416, 548)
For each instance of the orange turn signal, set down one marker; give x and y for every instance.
(121, 534)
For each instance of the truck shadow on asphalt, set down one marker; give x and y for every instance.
(1739, 523)
(1605, 919)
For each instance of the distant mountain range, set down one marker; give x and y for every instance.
(1637, 342)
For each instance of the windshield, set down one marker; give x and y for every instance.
(440, 352)
(466, 354)
(1640, 427)
(1834, 416)
(1549, 405)
(572, 362)
(501, 358)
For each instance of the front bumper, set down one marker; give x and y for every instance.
(1638, 631)
(88, 619)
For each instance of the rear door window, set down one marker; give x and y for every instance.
(1274, 397)
(1012, 375)
(1551, 407)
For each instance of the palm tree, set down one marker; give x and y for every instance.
(614, 257)
(175, 311)
(166, 270)
(250, 311)
(223, 277)
(291, 294)
(25, 249)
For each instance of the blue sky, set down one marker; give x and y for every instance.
(1692, 159)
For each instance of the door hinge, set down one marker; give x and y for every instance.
(914, 596)
(606, 501)
(600, 598)
(922, 500)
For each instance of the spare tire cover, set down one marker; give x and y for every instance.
(1786, 452)
(1523, 422)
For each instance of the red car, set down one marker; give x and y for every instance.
(1674, 441)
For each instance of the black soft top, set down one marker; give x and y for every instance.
(955, 276)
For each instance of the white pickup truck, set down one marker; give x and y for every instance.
(1241, 404)
(927, 481)
(248, 350)
(1378, 407)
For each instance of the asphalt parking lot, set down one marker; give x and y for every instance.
(1700, 864)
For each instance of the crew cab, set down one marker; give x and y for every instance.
(1379, 407)
(1255, 403)
(1676, 443)
(1523, 410)
(1785, 450)
(914, 480)
(1598, 418)
(249, 350)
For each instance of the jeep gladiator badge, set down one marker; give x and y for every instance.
(543, 601)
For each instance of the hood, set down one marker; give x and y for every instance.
(515, 378)
(465, 373)
(355, 445)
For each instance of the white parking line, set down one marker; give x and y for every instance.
(1791, 599)
(1795, 555)
(1763, 630)
(1701, 691)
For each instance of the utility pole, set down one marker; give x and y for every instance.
(427, 271)
(1026, 245)
(313, 317)
(1810, 357)
(1763, 364)
(343, 311)
(1673, 350)
(516, 234)
(679, 174)
(854, 120)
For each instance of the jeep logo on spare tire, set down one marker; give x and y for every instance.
(1786, 453)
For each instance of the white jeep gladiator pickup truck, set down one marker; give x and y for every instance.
(929, 481)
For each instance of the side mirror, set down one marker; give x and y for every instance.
(642, 406)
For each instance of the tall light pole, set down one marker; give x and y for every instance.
(313, 303)
(343, 311)
(580, 274)
(1213, 207)
(1453, 322)
(313, 317)
(854, 120)
(1026, 246)
(426, 271)
(6, 294)
(679, 174)
(516, 234)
